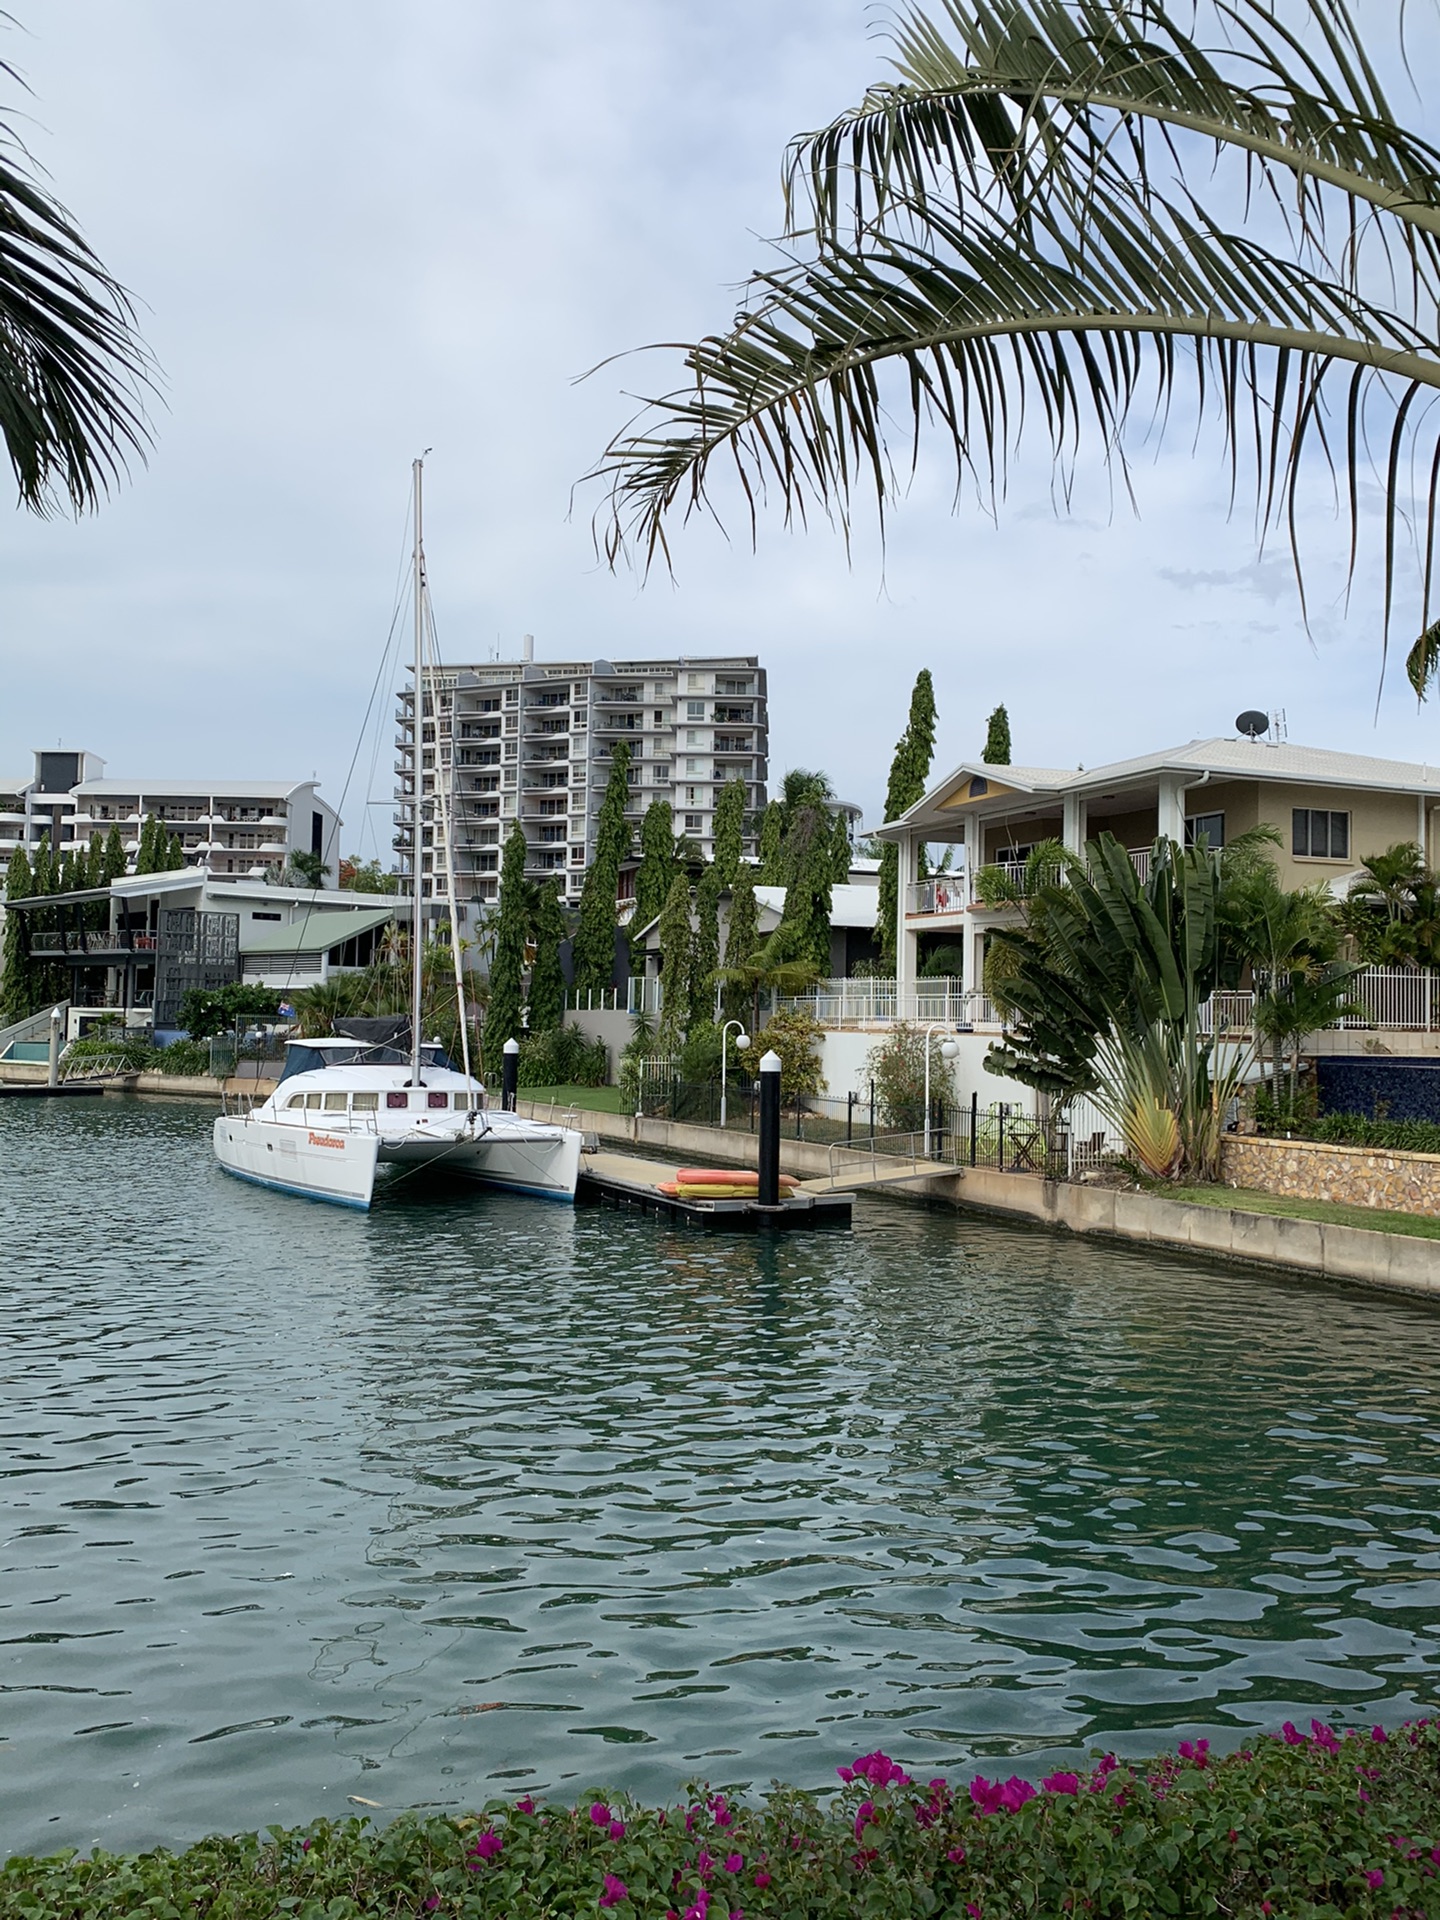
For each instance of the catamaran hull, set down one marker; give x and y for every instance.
(546, 1168)
(339, 1167)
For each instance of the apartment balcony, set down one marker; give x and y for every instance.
(619, 723)
(1004, 883)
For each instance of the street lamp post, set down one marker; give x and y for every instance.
(948, 1051)
(742, 1040)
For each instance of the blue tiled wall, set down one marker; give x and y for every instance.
(1390, 1089)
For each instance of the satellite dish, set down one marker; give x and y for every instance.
(1252, 724)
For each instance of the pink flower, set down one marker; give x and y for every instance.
(1290, 1736)
(762, 1878)
(733, 1862)
(487, 1846)
(1375, 1878)
(864, 1814)
(956, 1855)
(527, 1805)
(1377, 1733)
(1015, 1793)
(432, 1903)
(304, 1846)
(617, 1829)
(704, 1865)
(720, 1811)
(985, 1794)
(600, 1814)
(615, 1891)
(1061, 1783)
(1197, 1753)
(878, 1768)
(1324, 1736)
(972, 1910)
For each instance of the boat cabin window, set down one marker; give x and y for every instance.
(437, 1099)
(462, 1102)
(296, 1100)
(364, 1102)
(312, 1099)
(336, 1102)
(394, 1100)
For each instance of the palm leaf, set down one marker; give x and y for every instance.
(1019, 230)
(72, 367)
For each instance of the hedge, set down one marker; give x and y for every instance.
(1303, 1825)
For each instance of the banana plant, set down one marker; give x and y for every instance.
(1104, 991)
(1066, 215)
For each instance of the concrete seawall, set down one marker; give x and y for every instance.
(1396, 1261)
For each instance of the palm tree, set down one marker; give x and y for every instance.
(72, 367)
(767, 972)
(1056, 210)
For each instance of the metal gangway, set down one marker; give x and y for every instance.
(885, 1160)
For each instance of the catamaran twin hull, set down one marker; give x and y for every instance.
(341, 1165)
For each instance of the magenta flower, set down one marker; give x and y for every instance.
(600, 1814)
(617, 1829)
(1198, 1752)
(972, 1910)
(1324, 1736)
(704, 1865)
(1290, 1736)
(1378, 1733)
(615, 1891)
(1061, 1783)
(1375, 1878)
(878, 1768)
(864, 1814)
(985, 1794)
(720, 1810)
(304, 1846)
(956, 1855)
(762, 1878)
(487, 1846)
(733, 1862)
(527, 1805)
(432, 1903)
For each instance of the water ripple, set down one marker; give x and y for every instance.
(466, 1493)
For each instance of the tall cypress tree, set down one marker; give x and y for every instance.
(174, 850)
(547, 977)
(19, 989)
(804, 929)
(675, 965)
(841, 852)
(772, 845)
(113, 862)
(997, 739)
(742, 937)
(705, 954)
(507, 968)
(909, 774)
(729, 831)
(656, 872)
(595, 937)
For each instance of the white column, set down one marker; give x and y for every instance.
(904, 939)
(1077, 824)
(1170, 812)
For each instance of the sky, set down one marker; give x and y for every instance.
(357, 230)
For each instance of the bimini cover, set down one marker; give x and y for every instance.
(392, 1031)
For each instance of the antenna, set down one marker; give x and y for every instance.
(1252, 723)
(1278, 729)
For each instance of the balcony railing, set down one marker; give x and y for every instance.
(954, 892)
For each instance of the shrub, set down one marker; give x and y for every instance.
(563, 1057)
(1301, 1826)
(207, 1012)
(1353, 1130)
(131, 1052)
(897, 1067)
(183, 1056)
(795, 1036)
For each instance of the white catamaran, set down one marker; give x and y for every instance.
(375, 1093)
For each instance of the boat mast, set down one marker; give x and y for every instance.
(416, 955)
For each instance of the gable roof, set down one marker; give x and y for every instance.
(1231, 758)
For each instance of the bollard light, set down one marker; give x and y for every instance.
(742, 1041)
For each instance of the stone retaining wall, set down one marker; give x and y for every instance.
(1351, 1176)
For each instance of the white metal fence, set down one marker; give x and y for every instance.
(638, 995)
(1390, 999)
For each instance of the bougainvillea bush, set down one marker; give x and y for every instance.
(1303, 1824)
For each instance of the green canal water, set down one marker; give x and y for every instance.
(474, 1495)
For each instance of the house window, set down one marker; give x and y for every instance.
(694, 709)
(694, 823)
(1316, 834)
(1207, 826)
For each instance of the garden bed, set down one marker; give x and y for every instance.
(1307, 1824)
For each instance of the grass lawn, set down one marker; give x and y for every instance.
(593, 1099)
(1243, 1200)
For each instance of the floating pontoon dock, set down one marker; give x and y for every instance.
(621, 1180)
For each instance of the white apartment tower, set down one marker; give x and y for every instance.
(534, 741)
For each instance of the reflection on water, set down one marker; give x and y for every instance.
(302, 1504)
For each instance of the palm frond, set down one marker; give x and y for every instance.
(73, 370)
(1029, 224)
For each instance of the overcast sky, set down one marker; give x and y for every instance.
(359, 229)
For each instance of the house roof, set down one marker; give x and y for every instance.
(315, 932)
(1230, 758)
(212, 788)
(849, 906)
